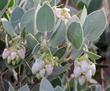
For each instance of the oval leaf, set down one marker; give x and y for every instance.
(8, 27)
(75, 34)
(59, 34)
(27, 21)
(45, 85)
(16, 16)
(94, 25)
(45, 18)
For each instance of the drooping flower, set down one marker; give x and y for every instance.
(13, 55)
(85, 65)
(84, 70)
(22, 53)
(37, 66)
(5, 53)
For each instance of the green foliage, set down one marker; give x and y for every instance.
(3, 3)
(94, 5)
(11, 3)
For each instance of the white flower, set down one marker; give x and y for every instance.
(58, 12)
(77, 71)
(93, 68)
(81, 80)
(13, 55)
(42, 73)
(85, 65)
(49, 69)
(22, 53)
(84, 70)
(39, 64)
(35, 68)
(88, 74)
(62, 13)
(5, 53)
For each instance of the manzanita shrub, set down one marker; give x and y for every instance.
(47, 48)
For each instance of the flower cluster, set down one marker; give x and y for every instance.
(83, 71)
(62, 13)
(40, 69)
(13, 55)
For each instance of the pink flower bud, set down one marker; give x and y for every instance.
(13, 55)
(5, 53)
(22, 53)
(49, 69)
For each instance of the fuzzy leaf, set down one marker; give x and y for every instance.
(59, 89)
(45, 19)
(27, 21)
(75, 34)
(8, 27)
(16, 16)
(94, 25)
(45, 85)
(59, 34)
(24, 88)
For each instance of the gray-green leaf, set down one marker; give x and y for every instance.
(8, 27)
(45, 19)
(94, 25)
(16, 16)
(27, 21)
(75, 34)
(24, 88)
(59, 89)
(59, 34)
(45, 85)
